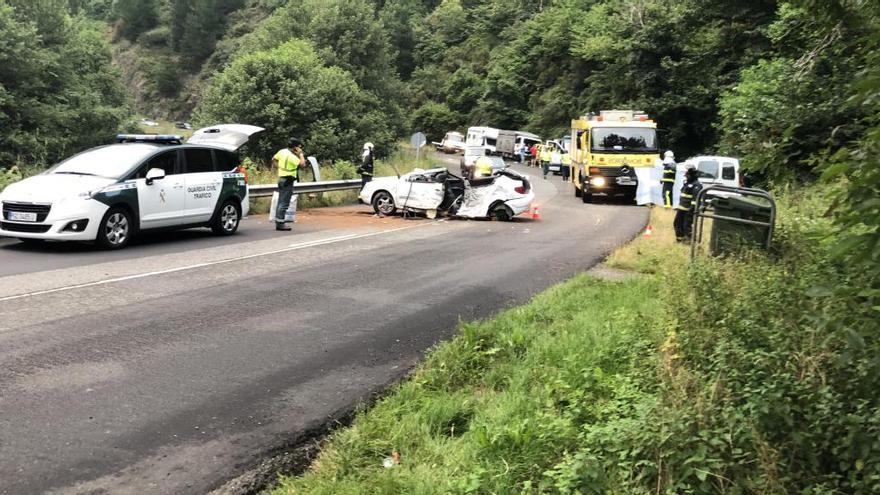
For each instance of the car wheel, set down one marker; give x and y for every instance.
(383, 203)
(116, 229)
(227, 219)
(586, 197)
(501, 213)
(578, 192)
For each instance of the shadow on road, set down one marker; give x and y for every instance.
(145, 239)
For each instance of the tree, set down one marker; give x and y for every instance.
(435, 119)
(137, 16)
(59, 92)
(290, 91)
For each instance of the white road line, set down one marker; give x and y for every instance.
(292, 247)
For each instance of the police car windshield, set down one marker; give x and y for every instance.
(112, 161)
(624, 139)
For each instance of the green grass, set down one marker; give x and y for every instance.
(753, 373)
(164, 127)
(503, 402)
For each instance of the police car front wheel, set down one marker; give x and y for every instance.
(227, 219)
(115, 230)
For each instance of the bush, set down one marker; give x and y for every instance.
(8, 176)
(289, 91)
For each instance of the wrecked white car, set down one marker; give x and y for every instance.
(502, 196)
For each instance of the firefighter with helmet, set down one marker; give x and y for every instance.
(684, 215)
(668, 180)
(366, 166)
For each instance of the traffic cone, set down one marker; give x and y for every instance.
(649, 231)
(536, 213)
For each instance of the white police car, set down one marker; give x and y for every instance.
(144, 182)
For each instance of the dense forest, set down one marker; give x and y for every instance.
(768, 81)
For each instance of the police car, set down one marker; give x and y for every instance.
(144, 182)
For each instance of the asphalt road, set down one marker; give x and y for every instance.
(173, 366)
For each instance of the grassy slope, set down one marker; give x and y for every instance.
(509, 398)
(736, 375)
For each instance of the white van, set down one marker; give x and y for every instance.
(487, 137)
(722, 170)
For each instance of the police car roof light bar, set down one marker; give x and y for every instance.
(149, 138)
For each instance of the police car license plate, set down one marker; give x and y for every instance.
(22, 216)
(625, 181)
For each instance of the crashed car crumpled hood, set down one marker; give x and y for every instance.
(478, 199)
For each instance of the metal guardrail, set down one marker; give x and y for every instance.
(266, 190)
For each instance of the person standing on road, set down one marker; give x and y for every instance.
(288, 161)
(566, 166)
(533, 155)
(668, 180)
(544, 155)
(684, 215)
(366, 167)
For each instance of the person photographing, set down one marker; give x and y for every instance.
(288, 161)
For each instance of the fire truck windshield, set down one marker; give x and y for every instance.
(624, 140)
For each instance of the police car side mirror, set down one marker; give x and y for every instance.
(154, 174)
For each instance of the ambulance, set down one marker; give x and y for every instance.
(606, 150)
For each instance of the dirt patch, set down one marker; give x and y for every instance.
(345, 217)
(610, 274)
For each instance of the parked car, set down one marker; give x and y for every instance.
(149, 123)
(502, 196)
(716, 170)
(183, 125)
(143, 182)
(453, 142)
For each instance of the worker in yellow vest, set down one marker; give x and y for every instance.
(288, 161)
(566, 166)
(482, 167)
(544, 155)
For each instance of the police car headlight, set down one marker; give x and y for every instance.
(87, 194)
(598, 181)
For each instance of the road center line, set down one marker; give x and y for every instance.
(292, 247)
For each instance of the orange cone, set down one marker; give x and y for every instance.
(536, 213)
(649, 231)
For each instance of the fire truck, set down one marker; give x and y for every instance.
(607, 148)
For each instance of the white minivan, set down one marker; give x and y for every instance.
(722, 170)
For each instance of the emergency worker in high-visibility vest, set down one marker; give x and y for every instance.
(566, 166)
(288, 161)
(544, 155)
(668, 180)
(483, 167)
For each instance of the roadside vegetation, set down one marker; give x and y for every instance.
(746, 374)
